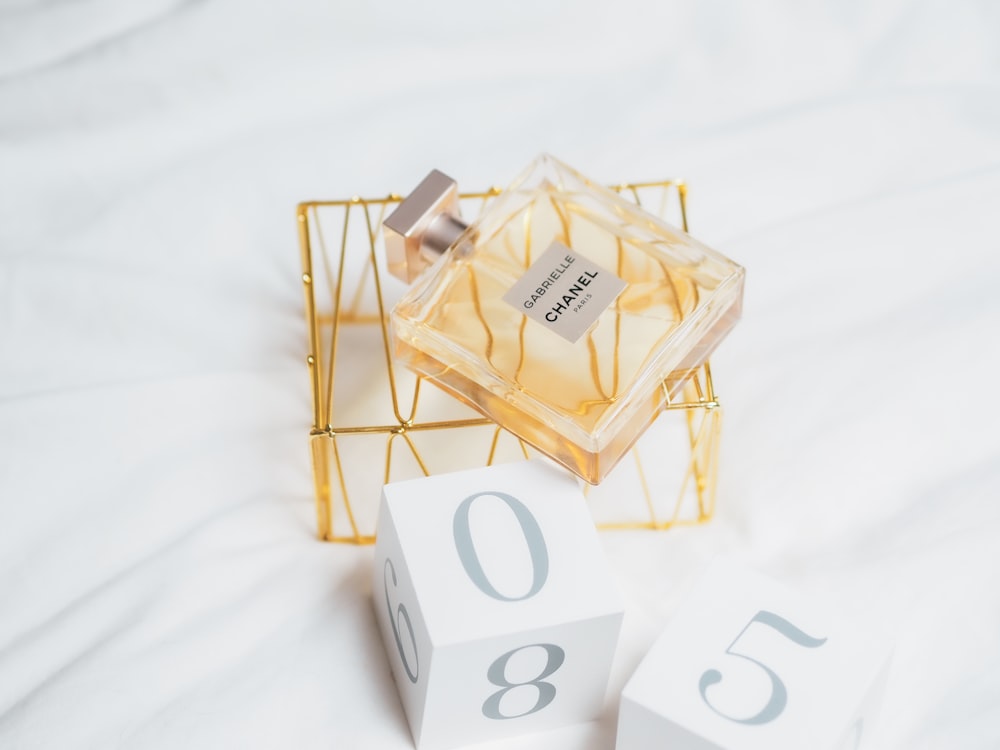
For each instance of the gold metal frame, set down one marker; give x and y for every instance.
(342, 305)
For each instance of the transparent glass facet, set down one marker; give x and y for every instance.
(585, 403)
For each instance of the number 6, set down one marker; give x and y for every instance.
(394, 617)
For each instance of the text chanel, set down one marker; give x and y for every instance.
(570, 296)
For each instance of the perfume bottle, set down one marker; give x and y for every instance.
(564, 313)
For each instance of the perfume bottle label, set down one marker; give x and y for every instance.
(564, 292)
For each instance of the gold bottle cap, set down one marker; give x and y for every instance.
(425, 225)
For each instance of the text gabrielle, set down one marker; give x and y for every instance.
(549, 280)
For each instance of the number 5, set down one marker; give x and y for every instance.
(779, 694)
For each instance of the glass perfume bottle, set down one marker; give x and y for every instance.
(565, 313)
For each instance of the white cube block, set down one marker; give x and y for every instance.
(496, 606)
(746, 664)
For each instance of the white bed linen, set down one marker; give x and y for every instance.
(160, 586)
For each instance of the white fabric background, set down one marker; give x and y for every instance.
(160, 586)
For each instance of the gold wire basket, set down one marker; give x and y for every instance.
(374, 423)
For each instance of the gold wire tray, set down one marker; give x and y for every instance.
(374, 423)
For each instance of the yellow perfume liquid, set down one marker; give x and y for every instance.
(583, 402)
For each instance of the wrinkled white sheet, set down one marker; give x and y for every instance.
(160, 586)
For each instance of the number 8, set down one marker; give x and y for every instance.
(497, 674)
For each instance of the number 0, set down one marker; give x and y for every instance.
(532, 535)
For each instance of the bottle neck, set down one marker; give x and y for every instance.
(440, 235)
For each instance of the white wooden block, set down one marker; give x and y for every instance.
(746, 664)
(496, 606)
